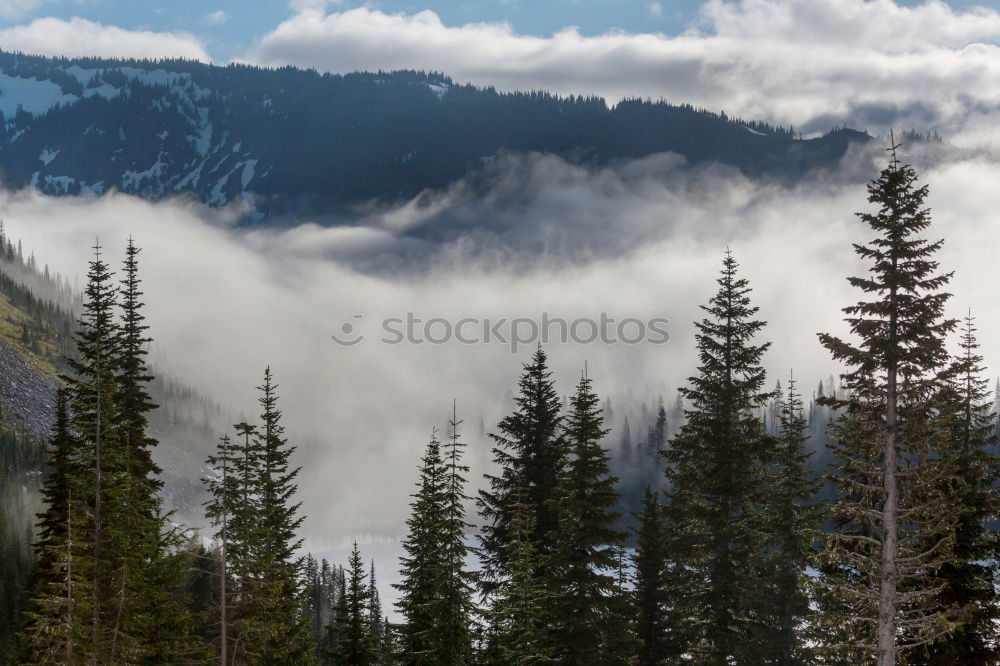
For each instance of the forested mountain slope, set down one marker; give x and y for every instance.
(290, 140)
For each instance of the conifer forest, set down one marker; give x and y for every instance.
(735, 551)
(500, 333)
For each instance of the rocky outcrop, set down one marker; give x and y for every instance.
(27, 398)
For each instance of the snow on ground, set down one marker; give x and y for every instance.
(34, 96)
(47, 155)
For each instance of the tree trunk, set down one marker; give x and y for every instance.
(890, 523)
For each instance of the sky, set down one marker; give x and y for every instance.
(810, 64)
(228, 28)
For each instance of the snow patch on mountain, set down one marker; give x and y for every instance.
(31, 95)
(248, 173)
(47, 155)
(133, 181)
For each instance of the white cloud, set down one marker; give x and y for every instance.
(809, 63)
(79, 37)
(655, 9)
(248, 297)
(217, 17)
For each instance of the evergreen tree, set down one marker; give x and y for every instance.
(584, 560)
(652, 625)
(717, 468)
(530, 455)
(456, 605)
(794, 518)
(91, 396)
(224, 489)
(56, 628)
(518, 627)
(894, 529)
(151, 618)
(354, 646)
(422, 567)
(273, 618)
(621, 642)
(969, 579)
(437, 589)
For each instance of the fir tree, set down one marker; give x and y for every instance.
(91, 396)
(584, 560)
(794, 526)
(56, 626)
(276, 627)
(716, 473)
(518, 627)
(652, 625)
(150, 618)
(354, 647)
(224, 489)
(422, 567)
(969, 579)
(456, 605)
(530, 455)
(894, 528)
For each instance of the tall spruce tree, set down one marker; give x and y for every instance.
(354, 645)
(456, 607)
(437, 588)
(969, 579)
(518, 629)
(654, 646)
(150, 620)
(273, 618)
(894, 529)
(422, 566)
(584, 559)
(716, 472)
(56, 627)
(794, 519)
(91, 395)
(223, 487)
(530, 454)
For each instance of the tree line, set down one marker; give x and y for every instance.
(736, 558)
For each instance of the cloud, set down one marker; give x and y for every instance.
(808, 63)
(218, 17)
(639, 239)
(655, 9)
(79, 37)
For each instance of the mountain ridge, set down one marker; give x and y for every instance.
(287, 141)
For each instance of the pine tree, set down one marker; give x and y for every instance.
(519, 635)
(894, 529)
(150, 615)
(969, 578)
(56, 626)
(276, 626)
(530, 455)
(620, 641)
(381, 650)
(91, 396)
(584, 560)
(422, 567)
(244, 545)
(716, 471)
(354, 647)
(457, 583)
(652, 621)
(794, 527)
(224, 489)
